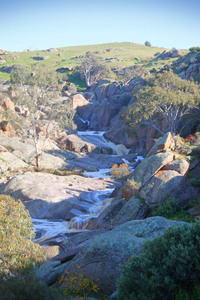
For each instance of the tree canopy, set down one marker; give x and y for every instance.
(165, 96)
(92, 68)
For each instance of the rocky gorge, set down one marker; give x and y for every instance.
(87, 221)
(91, 225)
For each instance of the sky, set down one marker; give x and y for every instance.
(43, 24)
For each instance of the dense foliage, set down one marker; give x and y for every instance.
(194, 49)
(167, 265)
(25, 286)
(164, 97)
(16, 232)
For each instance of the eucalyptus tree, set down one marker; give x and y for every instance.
(92, 68)
(37, 91)
(165, 96)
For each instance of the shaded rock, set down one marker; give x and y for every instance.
(100, 260)
(6, 128)
(79, 144)
(76, 144)
(160, 185)
(193, 71)
(104, 220)
(79, 239)
(50, 271)
(7, 104)
(134, 209)
(176, 53)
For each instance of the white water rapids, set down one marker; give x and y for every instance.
(46, 229)
(97, 201)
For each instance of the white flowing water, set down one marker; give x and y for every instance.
(95, 201)
(50, 228)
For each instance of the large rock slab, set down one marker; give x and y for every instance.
(180, 165)
(150, 166)
(134, 209)
(50, 196)
(100, 260)
(160, 186)
(26, 152)
(8, 161)
(164, 182)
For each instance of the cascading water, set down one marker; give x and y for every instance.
(94, 202)
(56, 229)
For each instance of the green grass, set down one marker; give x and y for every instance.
(69, 56)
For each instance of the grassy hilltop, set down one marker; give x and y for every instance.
(115, 54)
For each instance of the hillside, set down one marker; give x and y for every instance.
(115, 54)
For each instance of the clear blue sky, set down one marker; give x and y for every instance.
(41, 24)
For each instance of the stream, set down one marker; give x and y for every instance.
(97, 201)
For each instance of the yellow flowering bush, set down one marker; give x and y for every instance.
(78, 285)
(17, 251)
(118, 171)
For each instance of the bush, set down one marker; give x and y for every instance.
(147, 44)
(16, 232)
(194, 49)
(79, 285)
(167, 209)
(118, 171)
(25, 286)
(167, 264)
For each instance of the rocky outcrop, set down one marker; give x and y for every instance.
(100, 260)
(150, 166)
(159, 174)
(167, 54)
(50, 196)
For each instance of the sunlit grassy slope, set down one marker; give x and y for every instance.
(68, 56)
(126, 54)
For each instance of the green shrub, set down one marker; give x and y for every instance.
(16, 232)
(167, 264)
(166, 209)
(194, 49)
(25, 286)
